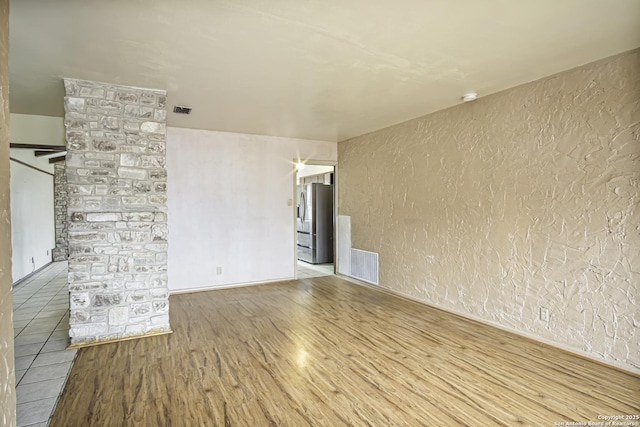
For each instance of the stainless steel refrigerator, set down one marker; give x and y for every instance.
(315, 223)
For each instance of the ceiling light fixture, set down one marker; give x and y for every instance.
(300, 166)
(468, 97)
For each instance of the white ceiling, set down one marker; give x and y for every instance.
(316, 69)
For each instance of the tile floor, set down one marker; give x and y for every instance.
(41, 329)
(306, 270)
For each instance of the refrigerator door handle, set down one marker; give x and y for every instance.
(303, 203)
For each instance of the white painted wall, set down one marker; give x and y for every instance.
(228, 197)
(27, 156)
(31, 129)
(344, 245)
(32, 218)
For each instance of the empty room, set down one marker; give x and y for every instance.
(279, 213)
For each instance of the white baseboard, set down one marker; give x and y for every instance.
(227, 286)
(575, 351)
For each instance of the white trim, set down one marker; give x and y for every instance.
(295, 219)
(229, 286)
(335, 211)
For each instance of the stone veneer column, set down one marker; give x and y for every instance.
(7, 373)
(117, 211)
(61, 251)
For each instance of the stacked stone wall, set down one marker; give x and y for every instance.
(117, 211)
(61, 251)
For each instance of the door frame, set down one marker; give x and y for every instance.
(294, 191)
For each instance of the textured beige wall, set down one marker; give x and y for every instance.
(7, 377)
(526, 198)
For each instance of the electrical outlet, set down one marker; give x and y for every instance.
(219, 271)
(544, 314)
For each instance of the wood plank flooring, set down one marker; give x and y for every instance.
(326, 352)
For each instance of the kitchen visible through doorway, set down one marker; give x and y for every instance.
(315, 220)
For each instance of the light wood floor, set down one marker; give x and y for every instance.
(325, 352)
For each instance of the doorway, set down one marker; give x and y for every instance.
(315, 213)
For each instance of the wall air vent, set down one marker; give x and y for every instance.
(364, 265)
(181, 109)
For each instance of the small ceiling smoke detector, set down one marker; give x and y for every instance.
(181, 109)
(468, 97)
